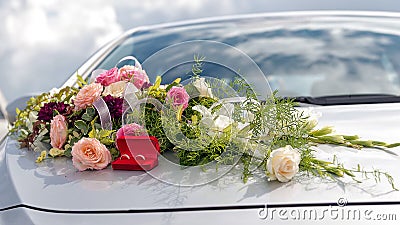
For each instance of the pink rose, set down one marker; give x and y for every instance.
(139, 76)
(178, 96)
(89, 153)
(132, 129)
(87, 95)
(108, 77)
(58, 131)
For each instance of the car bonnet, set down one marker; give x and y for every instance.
(56, 185)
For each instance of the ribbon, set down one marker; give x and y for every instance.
(105, 117)
(129, 96)
(137, 63)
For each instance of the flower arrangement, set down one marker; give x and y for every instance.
(191, 120)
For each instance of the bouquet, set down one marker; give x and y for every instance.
(203, 121)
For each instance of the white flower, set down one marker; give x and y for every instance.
(203, 88)
(312, 117)
(115, 89)
(218, 120)
(222, 122)
(283, 164)
(162, 86)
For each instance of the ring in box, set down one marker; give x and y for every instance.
(137, 153)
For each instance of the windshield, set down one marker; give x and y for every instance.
(299, 56)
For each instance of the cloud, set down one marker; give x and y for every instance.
(44, 41)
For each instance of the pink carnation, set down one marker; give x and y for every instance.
(139, 76)
(89, 153)
(87, 95)
(132, 129)
(58, 131)
(178, 96)
(108, 77)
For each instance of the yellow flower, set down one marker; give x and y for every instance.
(42, 157)
(54, 152)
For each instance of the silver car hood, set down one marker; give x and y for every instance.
(57, 185)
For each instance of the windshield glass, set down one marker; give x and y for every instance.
(311, 56)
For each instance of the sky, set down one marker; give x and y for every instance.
(42, 42)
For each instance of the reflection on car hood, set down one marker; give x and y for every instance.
(56, 185)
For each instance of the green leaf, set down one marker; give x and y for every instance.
(157, 83)
(393, 145)
(89, 114)
(81, 125)
(170, 86)
(67, 152)
(334, 138)
(114, 153)
(379, 143)
(91, 111)
(104, 133)
(86, 117)
(363, 143)
(179, 113)
(321, 132)
(81, 82)
(174, 83)
(92, 133)
(351, 138)
(107, 141)
(97, 126)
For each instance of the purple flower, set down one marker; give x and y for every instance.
(47, 111)
(114, 106)
(146, 85)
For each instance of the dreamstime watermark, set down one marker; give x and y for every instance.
(340, 211)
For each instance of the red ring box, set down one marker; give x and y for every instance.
(137, 153)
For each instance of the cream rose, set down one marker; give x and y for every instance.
(89, 153)
(58, 131)
(202, 87)
(87, 95)
(283, 164)
(115, 89)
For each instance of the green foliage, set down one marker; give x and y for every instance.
(89, 114)
(154, 127)
(197, 66)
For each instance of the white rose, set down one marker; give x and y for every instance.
(283, 164)
(115, 89)
(202, 87)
